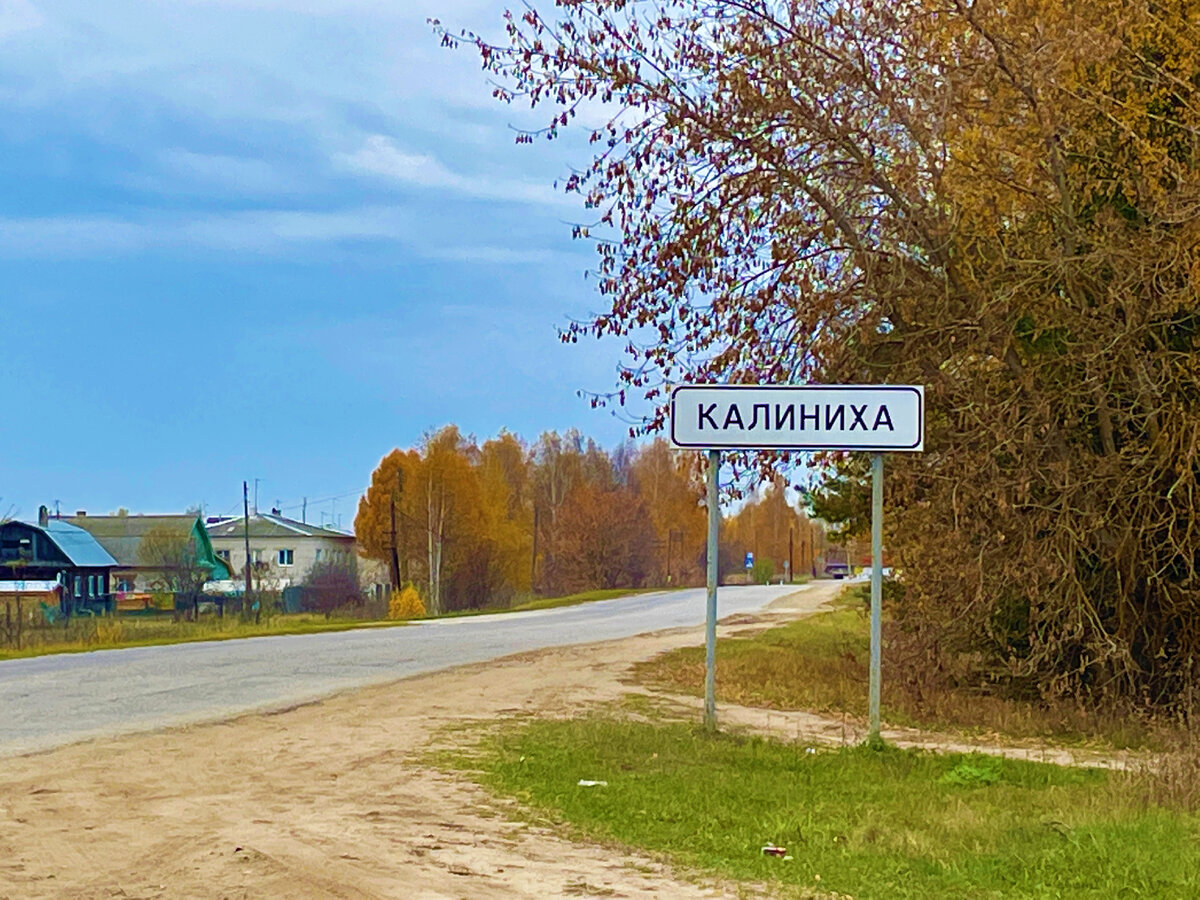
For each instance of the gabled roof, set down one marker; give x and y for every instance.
(270, 525)
(121, 536)
(81, 548)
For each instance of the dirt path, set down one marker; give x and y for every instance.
(330, 799)
(324, 800)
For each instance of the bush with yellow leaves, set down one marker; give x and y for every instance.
(406, 603)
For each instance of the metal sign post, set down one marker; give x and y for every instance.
(710, 619)
(874, 418)
(876, 595)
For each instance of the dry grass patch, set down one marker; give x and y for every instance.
(820, 664)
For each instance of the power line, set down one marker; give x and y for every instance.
(320, 500)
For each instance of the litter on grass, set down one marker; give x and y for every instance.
(583, 782)
(771, 850)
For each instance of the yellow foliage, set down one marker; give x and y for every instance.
(406, 604)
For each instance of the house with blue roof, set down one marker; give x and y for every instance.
(54, 557)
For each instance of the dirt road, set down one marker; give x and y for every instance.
(328, 799)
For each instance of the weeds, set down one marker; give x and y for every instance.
(819, 663)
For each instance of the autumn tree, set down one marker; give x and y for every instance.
(330, 585)
(606, 540)
(506, 504)
(174, 561)
(452, 518)
(557, 468)
(994, 199)
(671, 487)
(386, 522)
(774, 530)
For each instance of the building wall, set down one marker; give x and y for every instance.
(306, 550)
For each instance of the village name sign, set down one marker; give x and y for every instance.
(871, 418)
(730, 417)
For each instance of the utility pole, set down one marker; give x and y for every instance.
(304, 511)
(533, 559)
(395, 554)
(791, 567)
(246, 531)
(256, 481)
(670, 541)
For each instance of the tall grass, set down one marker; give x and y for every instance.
(820, 664)
(83, 633)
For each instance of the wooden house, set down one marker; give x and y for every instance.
(53, 558)
(156, 555)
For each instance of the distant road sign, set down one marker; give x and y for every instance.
(749, 560)
(806, 417)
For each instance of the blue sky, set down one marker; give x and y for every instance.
(272, 239)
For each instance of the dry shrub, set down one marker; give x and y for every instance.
(997, 200)
(406, 603)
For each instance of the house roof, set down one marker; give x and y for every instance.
(81, 548)
(271, 525)
(121, 536)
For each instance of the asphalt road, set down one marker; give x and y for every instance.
(48, 701)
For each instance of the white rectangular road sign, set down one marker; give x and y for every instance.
(807, 417)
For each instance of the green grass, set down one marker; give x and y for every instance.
(871, 824)
(819, 663)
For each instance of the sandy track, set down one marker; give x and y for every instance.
(331, 799)
(324, 800)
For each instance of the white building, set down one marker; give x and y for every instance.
(282, 550)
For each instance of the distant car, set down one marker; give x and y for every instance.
(837, 569)
(837, 562)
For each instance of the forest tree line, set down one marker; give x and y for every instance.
(473, 525)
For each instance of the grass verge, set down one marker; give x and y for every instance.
(820, 663)
(585, 597)
(869, 824)
(85, 635)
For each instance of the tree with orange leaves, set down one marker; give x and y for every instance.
(995, 199)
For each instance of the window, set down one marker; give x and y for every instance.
(285, 557)
(124, 584)
(223, 554)
(256, 555)
(91, 585)
(78, 585)
(318, 554)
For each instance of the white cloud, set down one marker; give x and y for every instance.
(251, 231)
(274, 230)
(182, 172)
(494, 255)
(379, 156)
(69, 236)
